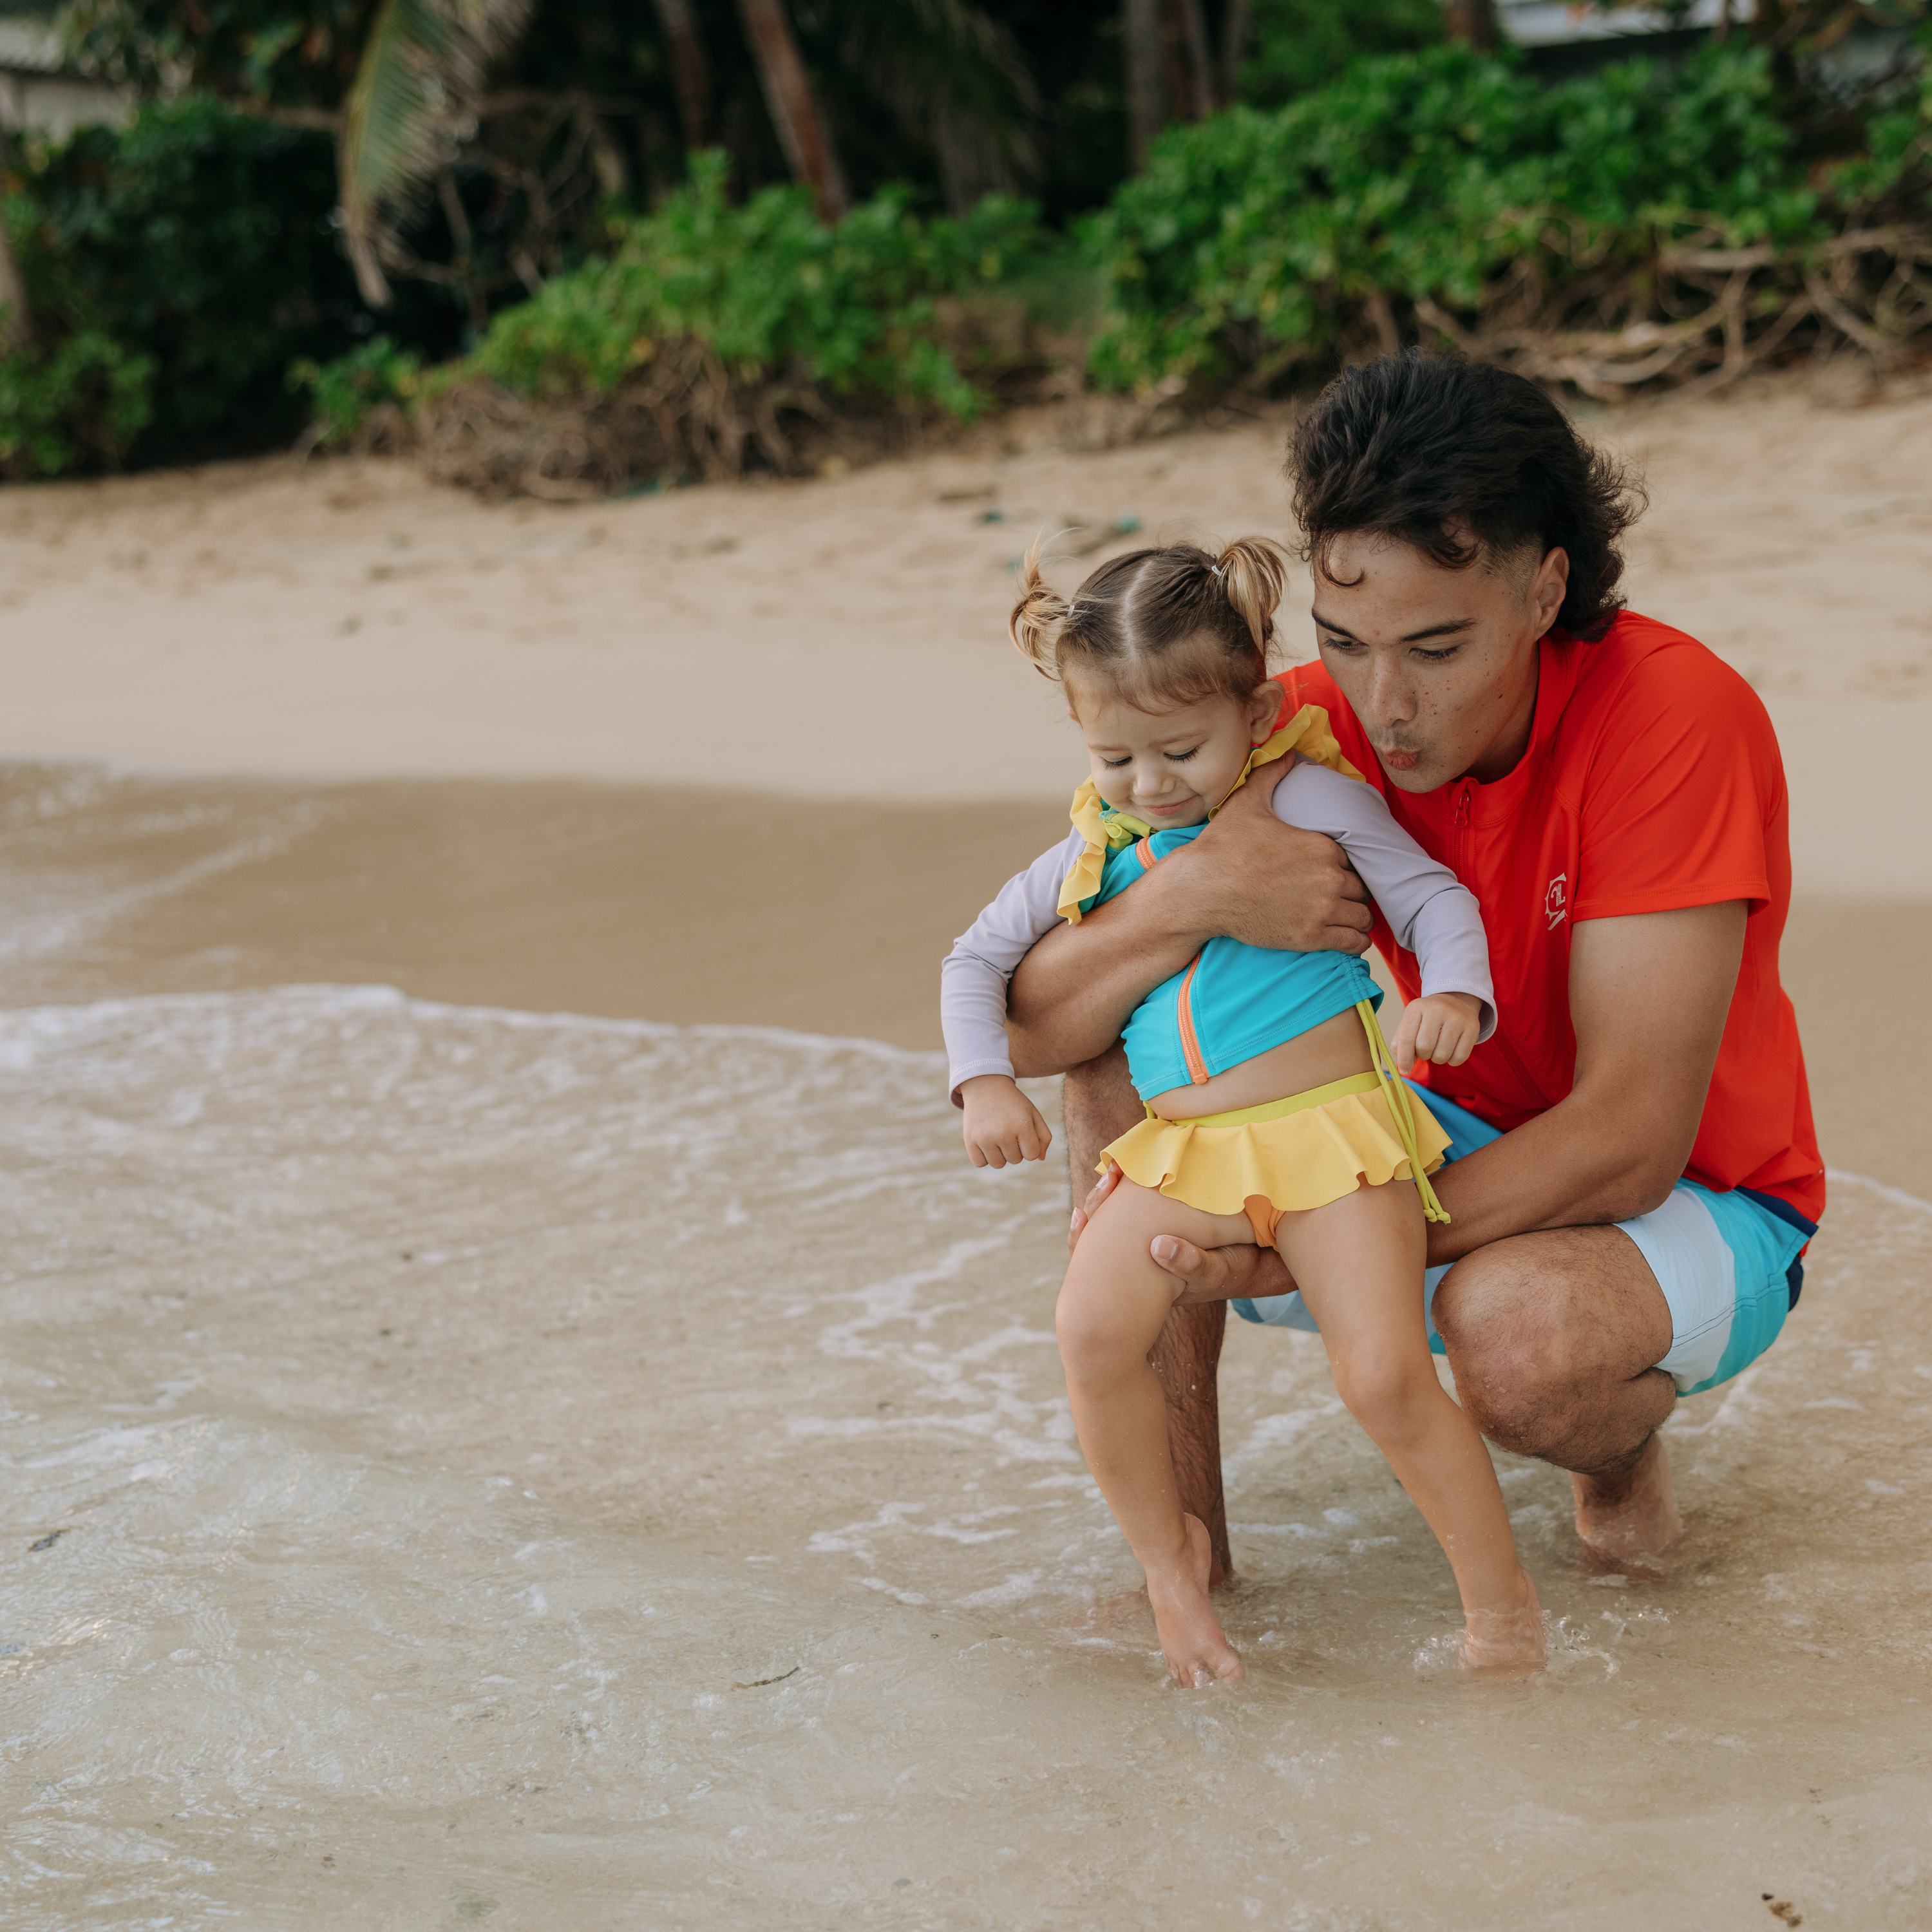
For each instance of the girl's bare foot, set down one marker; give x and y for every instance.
(1191, 1637)
(1505, 1646)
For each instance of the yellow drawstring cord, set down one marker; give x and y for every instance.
(1386, 1071)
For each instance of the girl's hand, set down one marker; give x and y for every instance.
(1003, 1126)
(1439, 1026)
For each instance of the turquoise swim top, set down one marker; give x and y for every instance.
(1231, 1001)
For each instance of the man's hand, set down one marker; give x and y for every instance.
(1247, 876)
(1206, 1274)
(1003, 1127)
(1220, 1274)
(1439, 1026)
(1649, 993)
(1273, 885)
(1082, 1214)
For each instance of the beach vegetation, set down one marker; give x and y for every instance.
(711, 334)
(1641, 225)
(1295, 46)
(376, 382)
(174, 268)
(566, 249)
(479, 141)
(81, 403)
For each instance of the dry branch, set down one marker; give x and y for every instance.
(1857, 288)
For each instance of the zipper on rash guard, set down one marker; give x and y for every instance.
(1532, 1100)
(1190, 1045)
(1465, 794)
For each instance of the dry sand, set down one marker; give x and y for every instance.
(286, 1261)
(846, 640)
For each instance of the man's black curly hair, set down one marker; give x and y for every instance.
(1465, 462)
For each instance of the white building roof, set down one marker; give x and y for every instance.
(1549, 23)
(29, 46)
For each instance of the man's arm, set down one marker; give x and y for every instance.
(1247, 876)
(1648, 997)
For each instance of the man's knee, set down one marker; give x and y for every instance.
(1516, 1359)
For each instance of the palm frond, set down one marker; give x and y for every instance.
(421, 73)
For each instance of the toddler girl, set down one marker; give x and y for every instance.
(1274, 1112)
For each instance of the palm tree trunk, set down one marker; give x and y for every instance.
(1473, 21)
(690, 69)
(795, 115)
(1140, 36)
(16, 318)
(1236, 29)
(1200, 61)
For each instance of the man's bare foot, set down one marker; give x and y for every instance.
(1506, 1646)
(1627, 1521)
(1191, 1638)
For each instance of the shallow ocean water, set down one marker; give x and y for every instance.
(466, 1466)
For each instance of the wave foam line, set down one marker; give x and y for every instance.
(326, 997)
(1843, 1177)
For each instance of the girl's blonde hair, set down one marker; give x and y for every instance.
(1164, 627)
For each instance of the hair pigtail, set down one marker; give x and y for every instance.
(1039, 617)
(1254, 574)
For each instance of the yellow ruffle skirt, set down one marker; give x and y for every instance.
(1287, 1156)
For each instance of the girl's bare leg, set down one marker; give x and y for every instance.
(1358, 1262)
(1112, 1307)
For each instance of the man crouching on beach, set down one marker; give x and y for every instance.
(1635, 1174)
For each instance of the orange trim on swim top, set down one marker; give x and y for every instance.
(1190, 1045)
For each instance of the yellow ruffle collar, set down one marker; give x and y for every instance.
(1307, 733)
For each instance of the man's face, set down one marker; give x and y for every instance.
(1439, 664)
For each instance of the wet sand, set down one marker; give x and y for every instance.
(649, 903)
(612, 1468)
(624, 901)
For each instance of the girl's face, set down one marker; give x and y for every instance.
(1169, 767)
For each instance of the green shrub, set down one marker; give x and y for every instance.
(1254, 241)
(710, 332)
(191, 252)
(1300, 45)
(1893, 179)
(767, 288)
(83, 402)
(347, 392)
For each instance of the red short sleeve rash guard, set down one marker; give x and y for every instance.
(1652, 781)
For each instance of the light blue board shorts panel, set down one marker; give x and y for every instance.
(1722, 1261)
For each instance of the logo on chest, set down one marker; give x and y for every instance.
(1555, 908)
